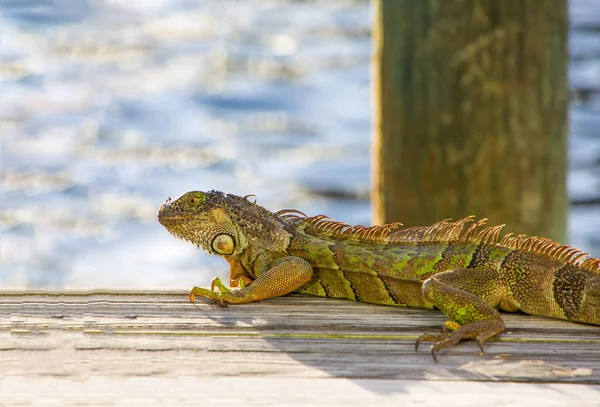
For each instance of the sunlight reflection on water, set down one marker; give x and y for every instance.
(108, 108)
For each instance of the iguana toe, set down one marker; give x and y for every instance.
(216, 282)
(434, 353)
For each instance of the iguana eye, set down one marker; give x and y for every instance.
(223, 244)
(193, 201)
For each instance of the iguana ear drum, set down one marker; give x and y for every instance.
(223, 244)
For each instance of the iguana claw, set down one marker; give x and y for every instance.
(222, 302)
(425, 338)
(219, 297)
(203, 292)
(436, 338)
(434, 353)
(480, 343)
(428, 338)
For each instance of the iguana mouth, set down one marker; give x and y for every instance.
(169, 217)
(164, 218)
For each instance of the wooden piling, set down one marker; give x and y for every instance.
(471, 103)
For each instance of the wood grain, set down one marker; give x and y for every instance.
(158, 341)
(470, 113)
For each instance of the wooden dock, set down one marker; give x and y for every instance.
(155, 348)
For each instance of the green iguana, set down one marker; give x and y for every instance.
(461, 268)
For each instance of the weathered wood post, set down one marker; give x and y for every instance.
(471, 104)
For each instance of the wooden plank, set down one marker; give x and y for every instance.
(158, 338)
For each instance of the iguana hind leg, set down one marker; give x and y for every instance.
(467, 297)
(284, 276)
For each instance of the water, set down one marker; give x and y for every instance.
(107, 108)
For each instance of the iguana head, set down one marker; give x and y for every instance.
(222, 224)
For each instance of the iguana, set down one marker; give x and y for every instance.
(461, 267)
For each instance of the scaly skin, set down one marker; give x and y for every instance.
(462, 270)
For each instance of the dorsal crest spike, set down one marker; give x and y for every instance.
(247, 197)
(506, 239)
(443, 231)
(292, 216)
(591, 264)
(471, 232)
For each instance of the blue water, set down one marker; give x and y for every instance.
(107, 108)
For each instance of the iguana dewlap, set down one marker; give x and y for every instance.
(460, 267)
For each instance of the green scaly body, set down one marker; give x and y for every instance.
(459, 267)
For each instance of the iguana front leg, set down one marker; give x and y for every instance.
(467, 297)
(284, 276)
